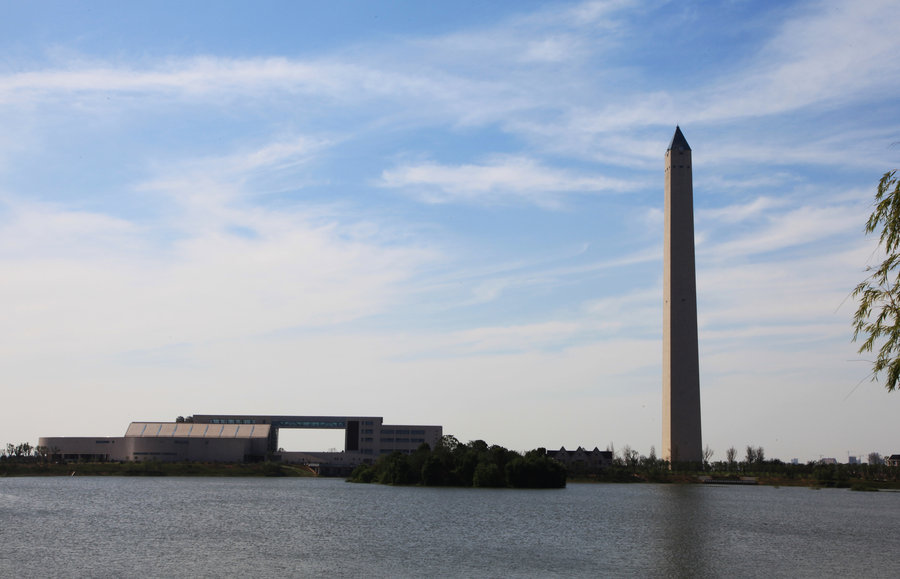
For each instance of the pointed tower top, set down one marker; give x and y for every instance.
(678, 141)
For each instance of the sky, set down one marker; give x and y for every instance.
(441, 213)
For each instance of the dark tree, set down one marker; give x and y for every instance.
(877, 317)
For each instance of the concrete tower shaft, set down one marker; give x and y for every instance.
(681, 439)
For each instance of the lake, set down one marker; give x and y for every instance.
(205, 527)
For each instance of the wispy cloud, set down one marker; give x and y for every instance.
(738, 213)
(191, 76)
(45, 230)
(227, 269)
(225, 178)
(503, 179)
(798, 227)
(825, 54)
(264, 219)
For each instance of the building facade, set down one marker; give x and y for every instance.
(582, 461)
(366, 435)
(166, 441)
(243, 438)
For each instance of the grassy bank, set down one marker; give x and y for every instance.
(856, 484)
(272, 469)
(151, 468)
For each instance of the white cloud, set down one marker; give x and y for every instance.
(595, 12)
(738, 213)
(43, 230)
(552, 49)
(93, 283)
(501, 180)
(637, 309)
(798, 227)
(193, 76)
(213, 288)
(827, 55)
(214, 181)
(780, 297)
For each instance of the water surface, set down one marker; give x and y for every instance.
(204, 527)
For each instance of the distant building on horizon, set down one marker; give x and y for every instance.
(581, 460)
(244, 438)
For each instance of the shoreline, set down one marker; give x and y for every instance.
(272, 469)
(195, 469)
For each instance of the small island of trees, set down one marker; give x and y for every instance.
(475, 464)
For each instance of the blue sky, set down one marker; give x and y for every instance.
(441, 213)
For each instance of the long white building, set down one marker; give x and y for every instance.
(241, 438)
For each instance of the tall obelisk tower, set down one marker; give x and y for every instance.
(681, 440)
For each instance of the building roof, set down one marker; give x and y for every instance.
(580, 449)
(194, 430)
(678, 141)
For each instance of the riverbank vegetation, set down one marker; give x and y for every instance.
(149, 468)
(475, 464)
(629, 466)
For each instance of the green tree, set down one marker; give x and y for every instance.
(42, 452)
(488, 474)
(536, 472)
(877, 317)
(466, 462)
(630, 458)
(707, 455)
(364, 473)
(448, 442)
(395, 470)
(418, 458)
(434, 472)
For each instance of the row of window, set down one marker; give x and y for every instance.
(392, 440)
(401, 431)
(155, 454)
(310, 424)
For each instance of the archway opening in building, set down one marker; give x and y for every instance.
(311, 439)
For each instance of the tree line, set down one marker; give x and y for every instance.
(474, 464)
(629, 466)
(24, 452)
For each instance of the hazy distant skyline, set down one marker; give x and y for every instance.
(441, 213)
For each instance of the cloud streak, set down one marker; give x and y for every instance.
(503, 179)
(475, 212)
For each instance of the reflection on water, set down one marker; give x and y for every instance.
(684, 541)
(112, 527)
